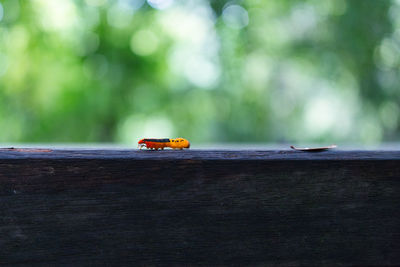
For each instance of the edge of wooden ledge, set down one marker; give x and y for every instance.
(195, 154)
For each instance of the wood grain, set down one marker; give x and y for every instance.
(199, 207)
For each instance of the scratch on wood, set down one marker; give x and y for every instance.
(26, 149)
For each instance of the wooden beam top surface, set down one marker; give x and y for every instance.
(196, 154)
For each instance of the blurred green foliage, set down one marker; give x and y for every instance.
(209, 71)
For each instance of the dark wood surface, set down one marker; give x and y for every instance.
(199, 207)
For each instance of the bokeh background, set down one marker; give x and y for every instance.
(211, 71)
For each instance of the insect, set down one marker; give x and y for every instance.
(150, 143)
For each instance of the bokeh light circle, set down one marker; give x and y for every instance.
(160, 4)
(235, 16)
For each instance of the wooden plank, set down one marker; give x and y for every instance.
(198, 154)
(194, 207)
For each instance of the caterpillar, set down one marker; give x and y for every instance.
(151, 143)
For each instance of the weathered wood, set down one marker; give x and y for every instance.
(200, 207)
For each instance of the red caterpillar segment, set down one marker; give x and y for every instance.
(177, 143)
(154, 143)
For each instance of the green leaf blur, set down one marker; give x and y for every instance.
(210, 71)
